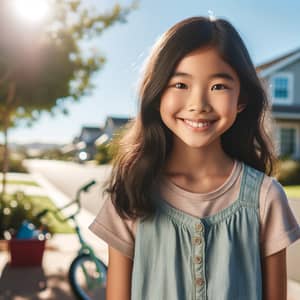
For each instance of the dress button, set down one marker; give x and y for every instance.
(199, 281)
(199, 227)
(197, 240)
(198, 259)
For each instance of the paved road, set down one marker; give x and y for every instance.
(69, 176)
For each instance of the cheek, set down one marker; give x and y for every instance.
(225, 109)
(169, 104)
(226, 105)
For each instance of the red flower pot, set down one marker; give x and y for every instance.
(26, 252)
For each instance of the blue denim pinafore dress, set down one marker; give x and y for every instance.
(181, 257)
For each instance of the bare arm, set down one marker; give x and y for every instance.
(275, 276)
(118, 276)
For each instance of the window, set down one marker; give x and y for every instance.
(282, 88)
(287, 141)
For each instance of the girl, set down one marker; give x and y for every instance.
(193, 210)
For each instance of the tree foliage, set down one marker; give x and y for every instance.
(43, 65)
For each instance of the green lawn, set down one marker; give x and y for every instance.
(22, 182)
(292, 191)
(18, 207)
(42, 202)
(22, 207)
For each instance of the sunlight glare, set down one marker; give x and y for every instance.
(31, 10)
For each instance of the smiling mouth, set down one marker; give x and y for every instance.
(198, 124)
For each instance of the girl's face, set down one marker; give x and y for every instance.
(200, 101)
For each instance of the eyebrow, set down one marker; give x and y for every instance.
(215, 75)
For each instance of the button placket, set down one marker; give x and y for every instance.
(198, 227)
(198, 260)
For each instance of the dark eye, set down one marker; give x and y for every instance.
(220, 85)
(180, 85)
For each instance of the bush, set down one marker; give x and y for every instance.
(16, 208)
(103, 155)
(13, 210)
(15, 165)
(107, 151)
(15, 161)
(289, 171)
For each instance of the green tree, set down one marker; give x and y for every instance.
(44, 66)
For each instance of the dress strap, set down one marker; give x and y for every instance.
(251, 186)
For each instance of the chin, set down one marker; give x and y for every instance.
(200, 143)
(195, 145)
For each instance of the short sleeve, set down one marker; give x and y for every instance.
(279, 225)
(117, 232)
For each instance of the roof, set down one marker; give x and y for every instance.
(91, 128)
(286, 108)
(118, 121)
(94, 130)
(278, 62)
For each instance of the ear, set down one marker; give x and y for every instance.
(241, 107)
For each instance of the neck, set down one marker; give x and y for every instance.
(197, 162)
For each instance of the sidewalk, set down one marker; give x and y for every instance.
(50, 281)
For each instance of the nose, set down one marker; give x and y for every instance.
(198, 101)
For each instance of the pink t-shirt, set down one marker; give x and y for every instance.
(279, 227)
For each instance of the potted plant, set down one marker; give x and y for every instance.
(16, 212)
(26, 252)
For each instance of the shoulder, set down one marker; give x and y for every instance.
(272, 194)
(108, 215)
(276, 190)
(270, 188)
(279, 226)
(115, 231)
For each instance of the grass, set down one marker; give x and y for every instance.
(292, 191)
(19, 207)
(25, 182)
(42, 202)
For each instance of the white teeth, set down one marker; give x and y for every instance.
(197, 124)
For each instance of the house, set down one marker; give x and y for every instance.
(114, 123)
(86, 141)
(83, 146)
(280, 76)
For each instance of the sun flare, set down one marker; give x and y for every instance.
(31, 10)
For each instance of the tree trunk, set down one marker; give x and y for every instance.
(6, 123)
(5, 165)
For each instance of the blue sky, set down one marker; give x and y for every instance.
(268, 28)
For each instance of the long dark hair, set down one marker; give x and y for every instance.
(146, 142)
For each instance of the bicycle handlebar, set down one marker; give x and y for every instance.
(84, 188)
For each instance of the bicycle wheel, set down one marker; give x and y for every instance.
(86, 281)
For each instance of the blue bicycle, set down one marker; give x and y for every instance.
(87, 273)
